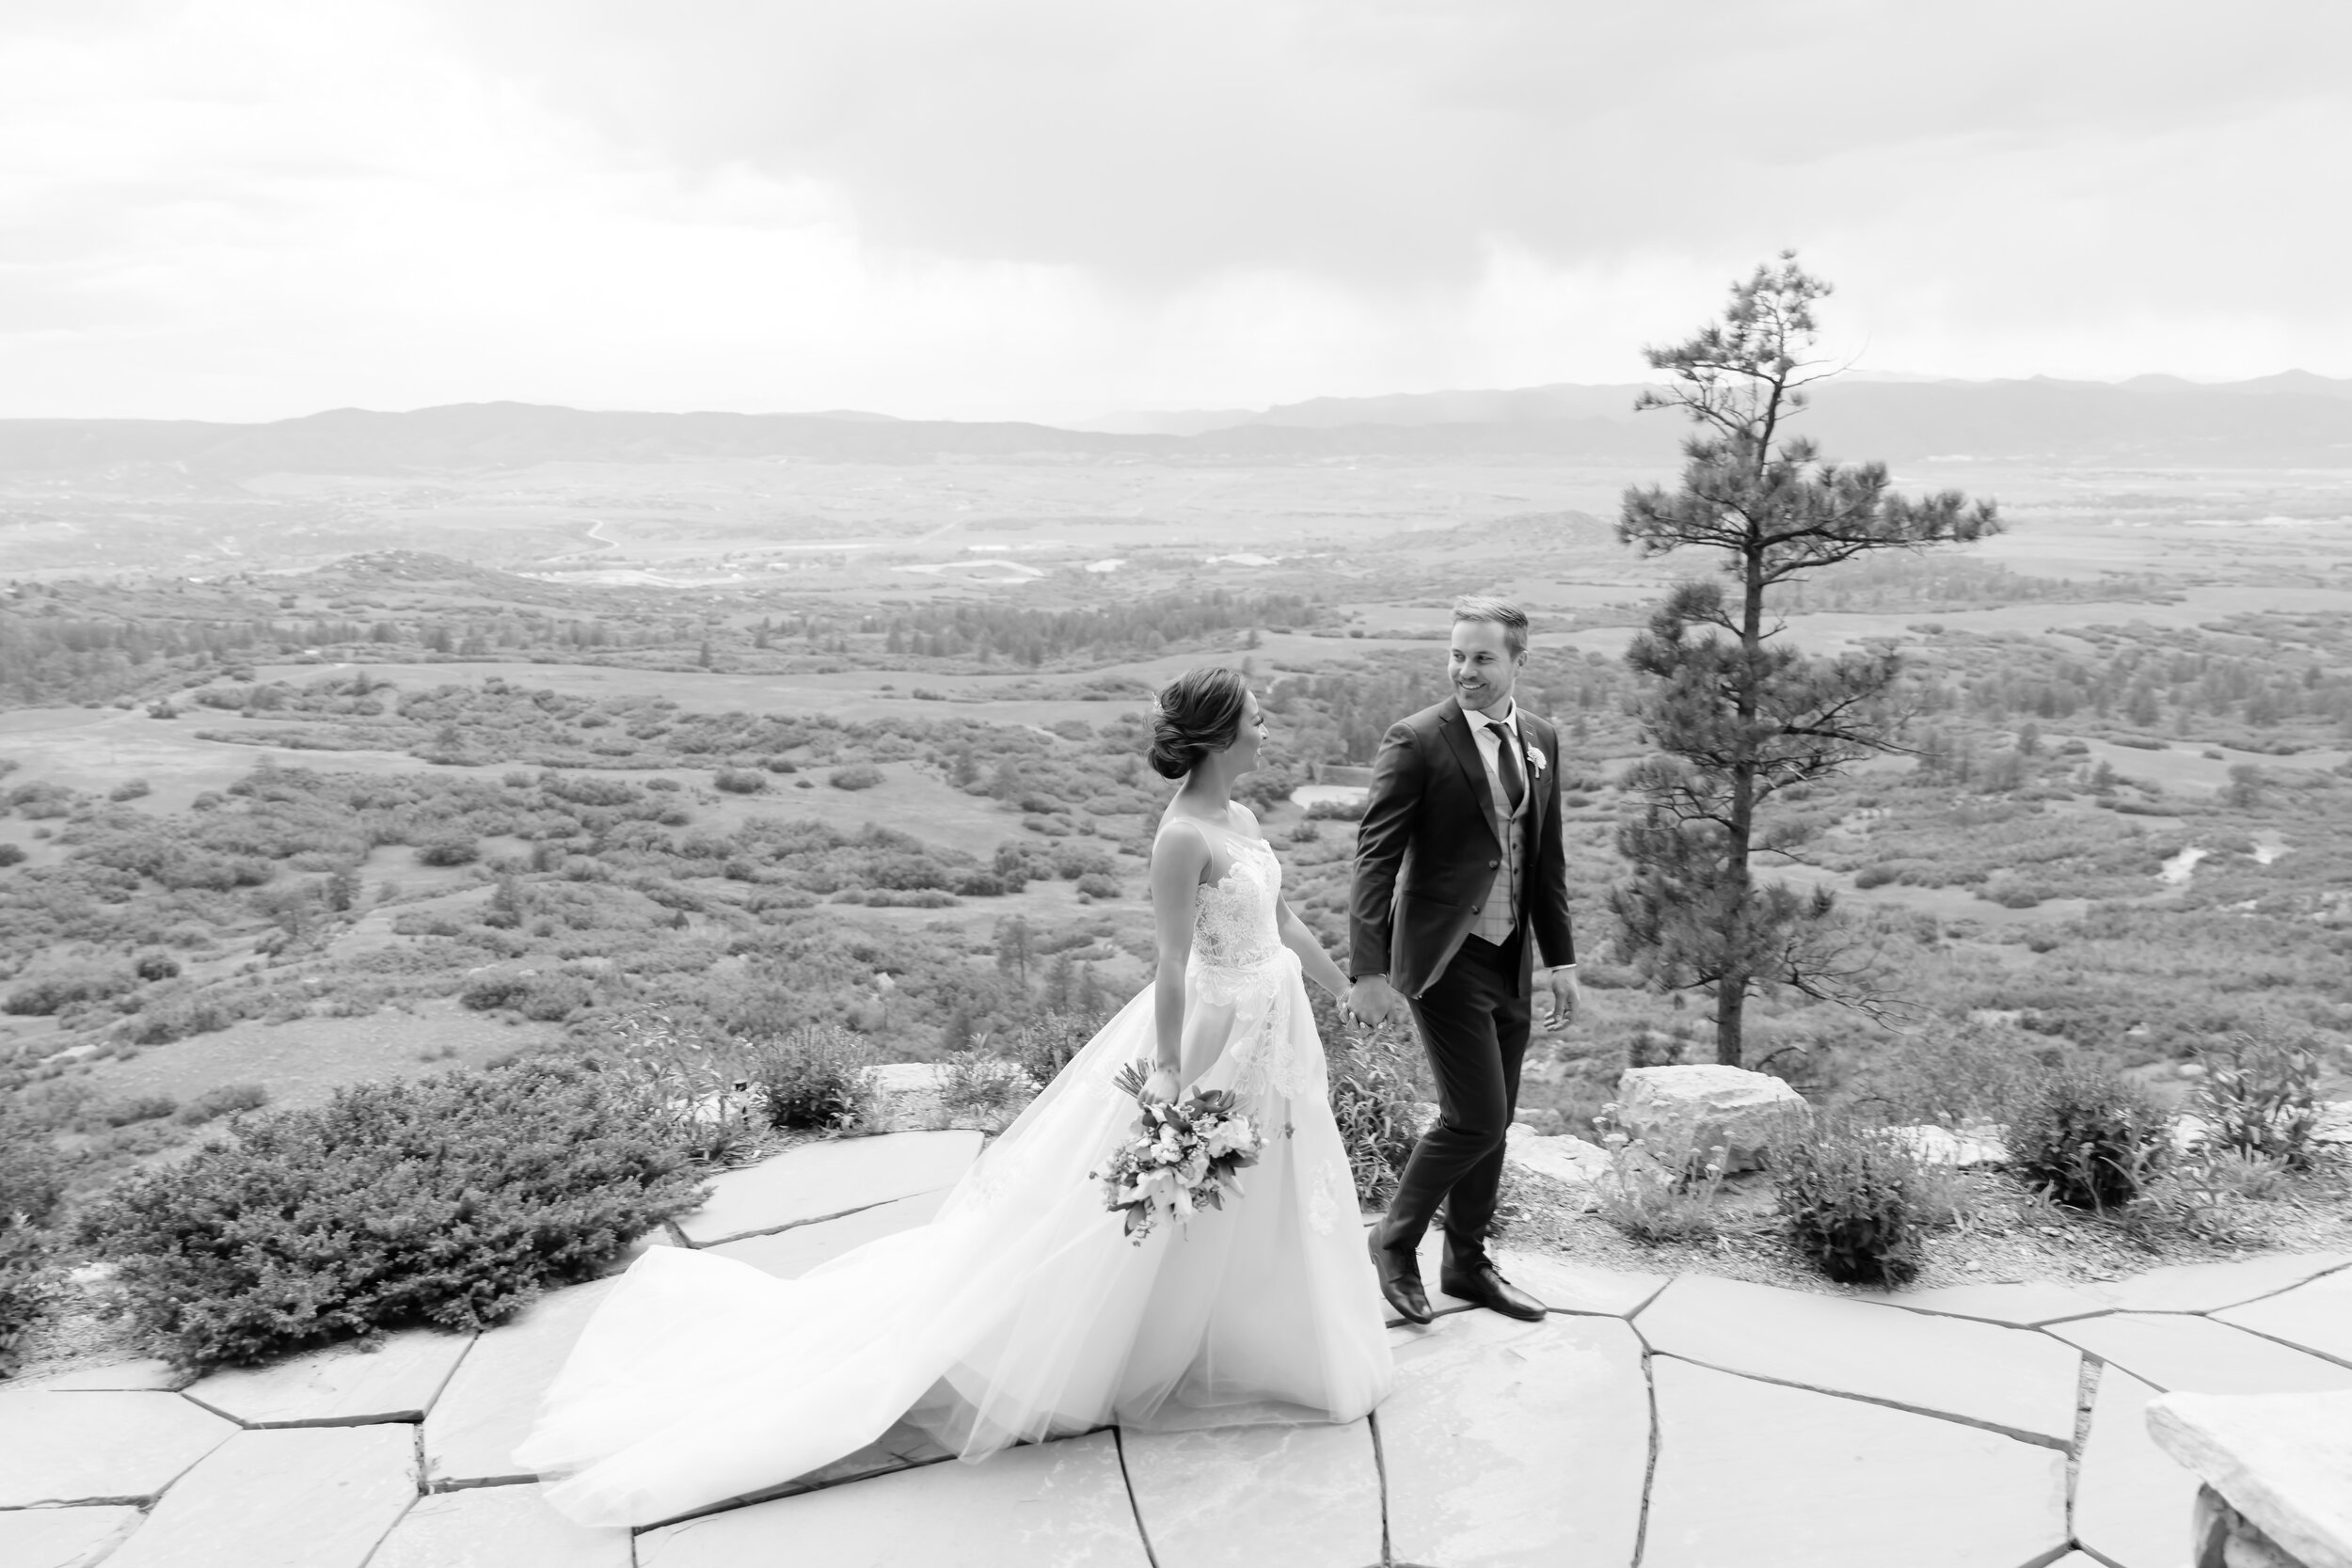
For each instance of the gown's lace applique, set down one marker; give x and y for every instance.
(1333, 1185)
(1238, 961)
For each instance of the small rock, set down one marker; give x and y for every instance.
(1685, 1110)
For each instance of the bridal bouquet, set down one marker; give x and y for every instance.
(1181, 1157)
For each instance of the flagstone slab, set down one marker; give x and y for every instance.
(2014, 1379)
(394, 1379)
(818, 1182)
(2317, 1316)
(2025, 1304)
(149, 1373)
(2285, 1461)
(472, 1430)
(98, 1448)
(2132, 1503)
(1560, 1284)
(2177, 1351)
(496, 1526)
(1565, 1286)
(1515, 1443)
(1768, 1477)
(789, 1253)
(62, 1537)
(1058, 1503)
(294, 1497)
(1304, 1496)
(2210, 1287)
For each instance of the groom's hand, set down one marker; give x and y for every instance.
(1567, 997)
(1373, 999)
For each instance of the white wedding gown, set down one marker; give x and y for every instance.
(1022, 1311)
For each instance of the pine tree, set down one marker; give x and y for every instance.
(1739, 715)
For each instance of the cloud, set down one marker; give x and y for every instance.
(1050, 207)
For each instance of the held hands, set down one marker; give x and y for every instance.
(1372, 1001)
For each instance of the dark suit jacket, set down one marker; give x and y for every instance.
(1431, 846)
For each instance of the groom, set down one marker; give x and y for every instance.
(1459, 876)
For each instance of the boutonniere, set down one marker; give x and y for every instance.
(1534, 759)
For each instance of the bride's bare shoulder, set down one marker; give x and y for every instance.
(1186, 837)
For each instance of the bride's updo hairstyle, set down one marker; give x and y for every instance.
(1200, 712)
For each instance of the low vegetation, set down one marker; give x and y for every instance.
(450, 1202)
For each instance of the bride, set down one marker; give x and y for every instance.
(1022, 1311)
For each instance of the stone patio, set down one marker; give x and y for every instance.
(1695, 1422)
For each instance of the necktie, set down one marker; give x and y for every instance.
(1507, 764)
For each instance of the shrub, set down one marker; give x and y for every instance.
(486, 994)
(450, 1202)
(40, 997)
(1657, 1195)
(739, 781)
(140, 1107)
(1336, 811)
(2259, 1096)
(1963, 1077)
(11, 854)
(1098, 884)
(130, 790)
(977, 1085)
(1044, 1045)
(156, 966)
(1851, 1200)
(32, 1178)
(2087, 1138)
(553, 998)
(449, 851)
(1372, 1098)
(862, 775)
(224, 1100)
(814, 1077)
(26, 1286)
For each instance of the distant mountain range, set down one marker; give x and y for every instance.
(2293, 419)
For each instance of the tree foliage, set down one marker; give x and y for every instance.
(1739, 715)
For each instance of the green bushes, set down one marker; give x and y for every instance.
(981, 1085)
(49, 993)
(814, 1077)
(1098, 884)
(2087, 1138)
(1852, 1200)
(1375, 1102)
(2259, 1096)
(543, 997)
(1044, 1045)
(449, 851)
(139, 1107)
(447, 1201)
(862, 775)
(222, 1100)
(739, 781)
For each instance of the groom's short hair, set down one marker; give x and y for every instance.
(1503, 613)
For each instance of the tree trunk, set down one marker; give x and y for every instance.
(1731, 1001)
(1731, 988)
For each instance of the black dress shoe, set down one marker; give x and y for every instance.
(1482, 1287)
(1400, 1280)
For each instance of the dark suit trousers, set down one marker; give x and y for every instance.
(1473, 1024)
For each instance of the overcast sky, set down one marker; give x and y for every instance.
(1049, 209)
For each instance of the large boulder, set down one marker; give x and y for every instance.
(1680, 1113)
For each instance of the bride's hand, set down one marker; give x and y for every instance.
(1160, 1088)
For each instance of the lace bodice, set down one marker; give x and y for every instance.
(1233, 918)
